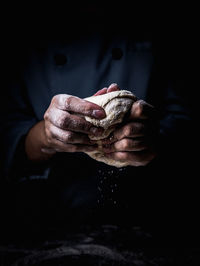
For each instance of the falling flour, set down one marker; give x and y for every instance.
(108, 186)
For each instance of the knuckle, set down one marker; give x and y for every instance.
(123, 156)
(74, 148)
(46, 115)
(68, 102)
(51, 134)
(125, 144)
(62, 122)
(55, 99)
(140, 106)
(69, 136)
(128, 131)
(47, 136)
(48, 139)
(84, 126)
(88, 107)
(136, 144)
(138, 128)
(62, 137)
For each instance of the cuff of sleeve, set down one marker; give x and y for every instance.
(22, 169)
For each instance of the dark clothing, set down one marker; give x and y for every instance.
(82, 66)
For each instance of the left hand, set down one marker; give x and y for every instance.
(134, 141)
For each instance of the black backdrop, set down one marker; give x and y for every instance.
(23, 27)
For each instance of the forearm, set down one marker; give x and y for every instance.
(36, 142)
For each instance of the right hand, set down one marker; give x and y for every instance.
(66, 129)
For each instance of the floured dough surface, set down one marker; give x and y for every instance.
(116, 104)
(99, 156)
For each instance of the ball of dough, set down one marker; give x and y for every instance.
(116, 104)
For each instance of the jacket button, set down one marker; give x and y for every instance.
(117, 53)
(60, 59)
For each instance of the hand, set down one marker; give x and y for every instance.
(112, 87)
(134, 141)
(65, 128)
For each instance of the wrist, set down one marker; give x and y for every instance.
(36, 143)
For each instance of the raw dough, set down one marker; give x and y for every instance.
(116, 104)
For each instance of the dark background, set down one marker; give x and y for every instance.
(24, 27)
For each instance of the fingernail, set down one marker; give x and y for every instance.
(98, 114)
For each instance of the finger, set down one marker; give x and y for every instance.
(69, 137)
(130, 130)
(127, 145)
(79, 106)
(119, 156)
(140, 158)
(100, 92)
(48, 150)
(63, 147)
(142, 110)
(113, 87)
(67, 121)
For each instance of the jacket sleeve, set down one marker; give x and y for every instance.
(16, 120)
